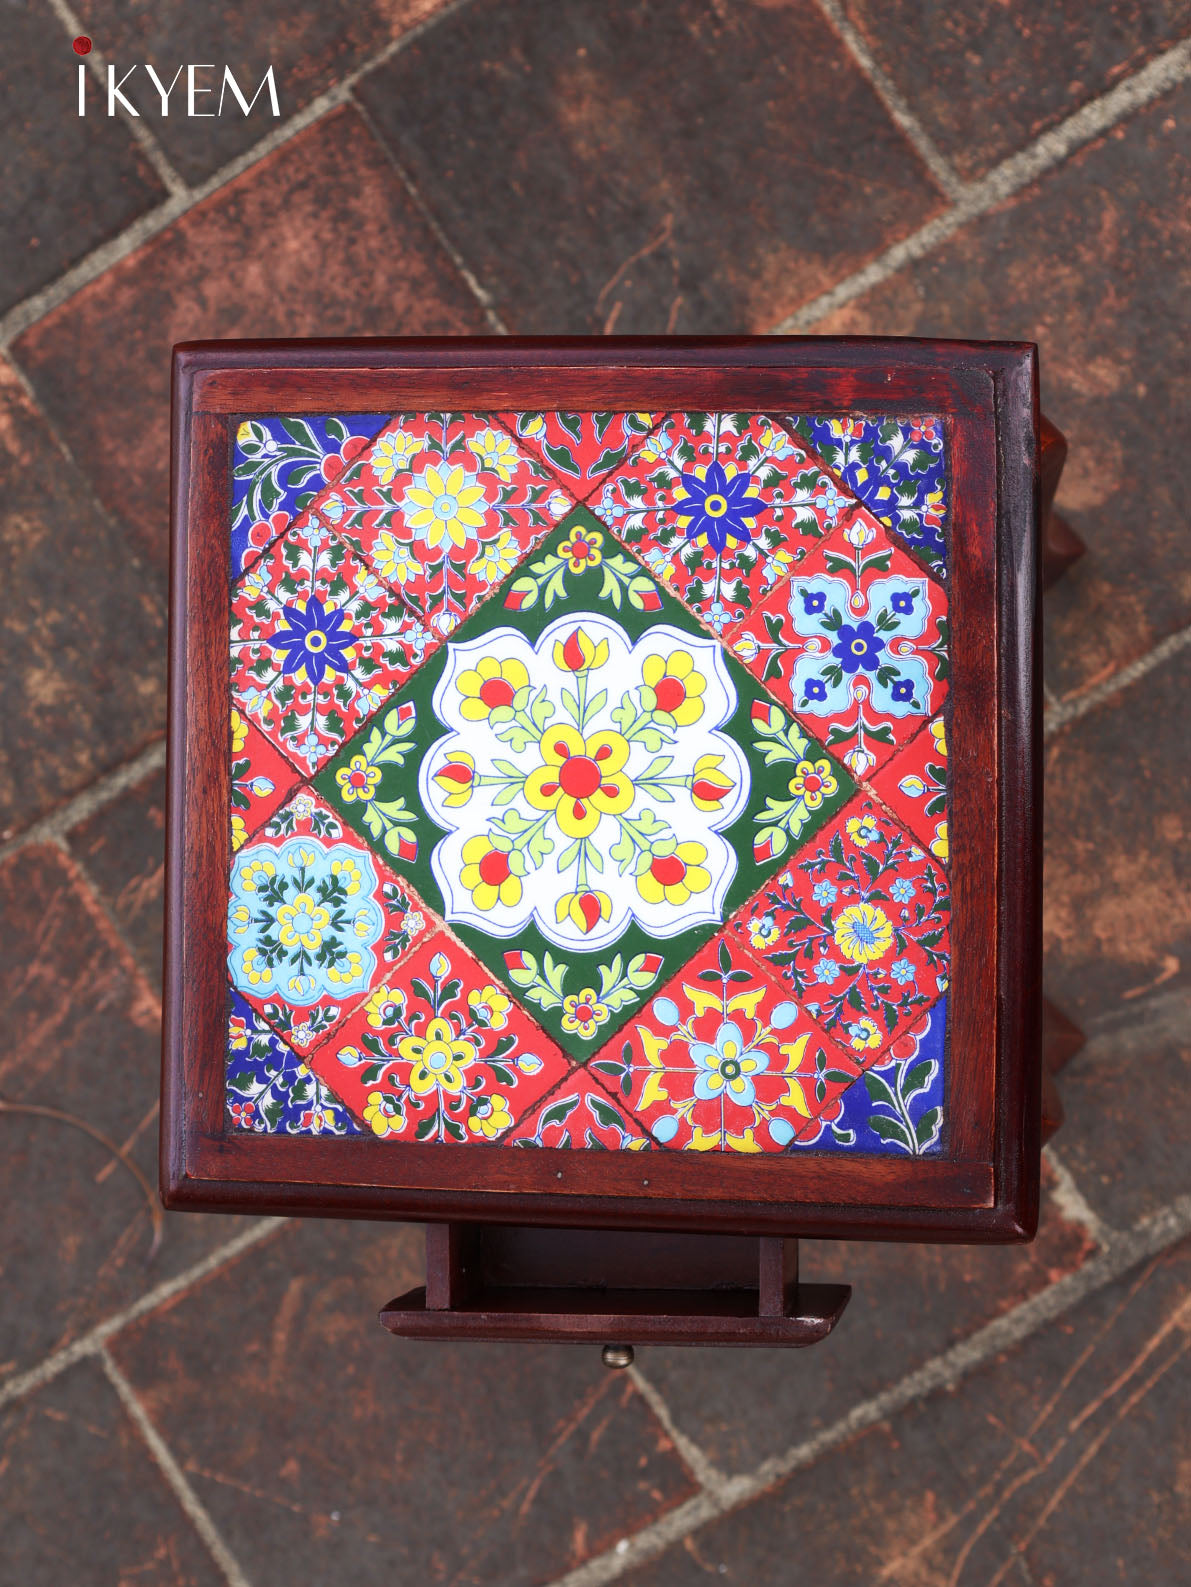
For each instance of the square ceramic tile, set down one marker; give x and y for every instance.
(914, 786)
(528, 837)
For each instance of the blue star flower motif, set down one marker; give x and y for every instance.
(813, 601)
(903, 689)
(902, 971)
(827, 971)
(718, 504)
(903, 601)
(858, 645)
(315, 640)
(816, 689)
(902, 890)
(824, 893)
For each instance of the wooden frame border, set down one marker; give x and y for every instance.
(985, 1185)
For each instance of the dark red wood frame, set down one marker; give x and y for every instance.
(985, 1185)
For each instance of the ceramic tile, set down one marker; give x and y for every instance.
(580, 1113)
(856, 642)
(556, 755)
(725, 1060)
(317, 643)
(443, 507)
(896, 467)
(279, 467)
(270, 1089)
(720, 508)
(858, 926)
(579, 449)
(914, 786)
(439, 1053)
(314, 920)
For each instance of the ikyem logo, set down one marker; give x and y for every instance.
(116, 94)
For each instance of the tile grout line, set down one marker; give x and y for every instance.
(96, 62)
(1149, 1237)
(474, 286)
(193, 1507)
(894, 101)
(1077, 705)
(93, 1341)
(23, 315)
(1099, 115)
(54, 827)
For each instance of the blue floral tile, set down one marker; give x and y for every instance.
(896, 1106)
(270, 1090)
(897, 468)
(279, 467)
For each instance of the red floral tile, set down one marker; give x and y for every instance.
(720, 507)
(914, 786)
(317, 643)
(261, 779)
(315, 920)
(858, 926)
(443, 507)
(580, 1113)
(724, 1060)
(855, 642)
(580, 448)
(441, 1054)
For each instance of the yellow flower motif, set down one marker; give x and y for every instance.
(675, 876)
(349, 873)
(676, 686)
(491, 1004)
(239, 733)
(489, 685)
(237, 1033)
(255, 968)
(580, 779)
(489, 1116)
(384, 1007)
(357, 780)
(710, 785)
(577, 652)
(583, 1014)
(241, 919)
(255, 873)
(938, 731)
(863, 933)
(584, 910)
(494, 450)
(863, 830)
(303, 921)
(812, 782)
(383, 1114)
(444, 507)
(456, 778)
(350, 968)
(863, 1033)
(582, 549)
(392, 453)
(393, 559)
(763, 931)
(939, 846)
(239, 833)
(438, 1058)
(495, 558)
(489, 874)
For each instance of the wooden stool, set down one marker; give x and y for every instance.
(609, 830)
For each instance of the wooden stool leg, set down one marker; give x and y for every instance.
(1061, 1040)
(1061, 546)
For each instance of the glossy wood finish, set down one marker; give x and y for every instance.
(985, 1184)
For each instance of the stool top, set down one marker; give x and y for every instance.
(620, 748)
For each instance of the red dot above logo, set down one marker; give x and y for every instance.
(82, 45)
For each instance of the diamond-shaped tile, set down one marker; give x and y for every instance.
(583, 897)
(261, 776)
(855, 642)
(315, 920)
(579, 449)
(858, 926)
(580, 1113)
(896, 467)
(914, 786)
(725, 1060)
(317, 643)
(443, 507)
(720, 508)
(440, 1053)
(270, 1089)
(279, 466)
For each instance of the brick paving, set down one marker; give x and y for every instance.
(220, 1408)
